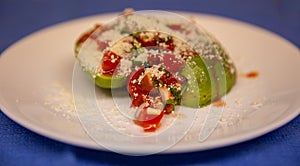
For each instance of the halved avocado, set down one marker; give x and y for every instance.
(208, 79)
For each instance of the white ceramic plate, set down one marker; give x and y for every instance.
(36, 84)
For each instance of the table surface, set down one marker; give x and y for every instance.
(19, 146)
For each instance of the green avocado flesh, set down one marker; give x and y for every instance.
(197, 91)
(110, 82)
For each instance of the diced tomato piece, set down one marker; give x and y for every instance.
(110, 62)
(143, 86)
(149, 122)
(153, 60)
(140, 90)
(139, 99)
(188, 54)
(172, 63)
(145, 41)
(132, 85)
(169, 80)
(168, 108)
(167, 43)
(146, 83)
(170, 45)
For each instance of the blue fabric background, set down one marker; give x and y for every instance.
(19, 146)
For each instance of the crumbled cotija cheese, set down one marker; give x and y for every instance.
(188, 39)
(89, 56)
(125, 66)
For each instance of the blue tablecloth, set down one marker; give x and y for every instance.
(19, 146)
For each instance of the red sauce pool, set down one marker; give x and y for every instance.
(252, 74)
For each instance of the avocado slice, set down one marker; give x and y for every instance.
(208, 79)
(197, 91)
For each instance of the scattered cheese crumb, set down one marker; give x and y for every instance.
(61, 102)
